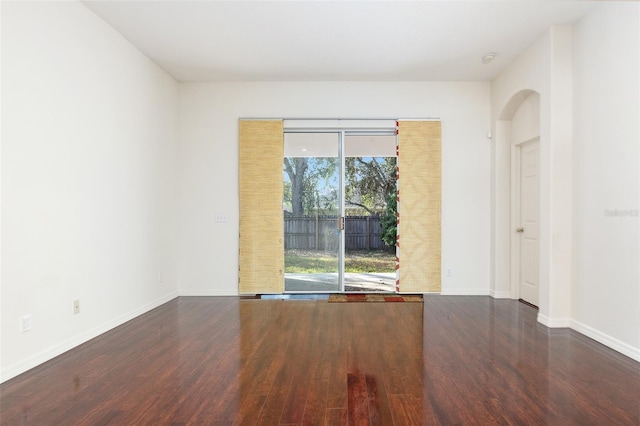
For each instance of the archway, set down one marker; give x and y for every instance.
(518, 123)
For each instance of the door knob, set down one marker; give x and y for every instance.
(519, 229)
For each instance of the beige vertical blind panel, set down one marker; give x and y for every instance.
(419, 206)
(261, 155)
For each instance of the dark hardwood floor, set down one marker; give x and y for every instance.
(224, 361)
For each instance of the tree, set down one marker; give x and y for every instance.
(312, 184)
(389, 222)
(369, 181)
(296, 169)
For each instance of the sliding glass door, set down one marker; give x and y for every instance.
(339, 211)
(312, 207)
(370, 212)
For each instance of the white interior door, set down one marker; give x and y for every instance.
(529, 221)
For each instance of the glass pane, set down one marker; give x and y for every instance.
(311, 208)
(370, 213)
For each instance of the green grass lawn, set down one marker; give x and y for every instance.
(363, 261)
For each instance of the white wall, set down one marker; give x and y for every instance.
(544, 68)
(88, 181)
(525, 124)
(606, 283)
(527, 74)
(588, 79)
(209, 112)
(1, 133)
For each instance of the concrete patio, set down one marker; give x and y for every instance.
(328, 282)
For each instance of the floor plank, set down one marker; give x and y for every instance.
(224, 361)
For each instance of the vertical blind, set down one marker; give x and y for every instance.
(419, 206)
(261, 255)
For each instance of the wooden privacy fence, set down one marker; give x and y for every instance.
(321, 232)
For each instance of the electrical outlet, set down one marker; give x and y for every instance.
(76, 306)
(449, 272)
(26, 323)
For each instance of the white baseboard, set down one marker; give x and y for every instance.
(504, 294)
(464, 292)
(605, 339)
(554, 322)
(39, 358)
(187, 292)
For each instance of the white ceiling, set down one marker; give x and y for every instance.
(334, 40)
